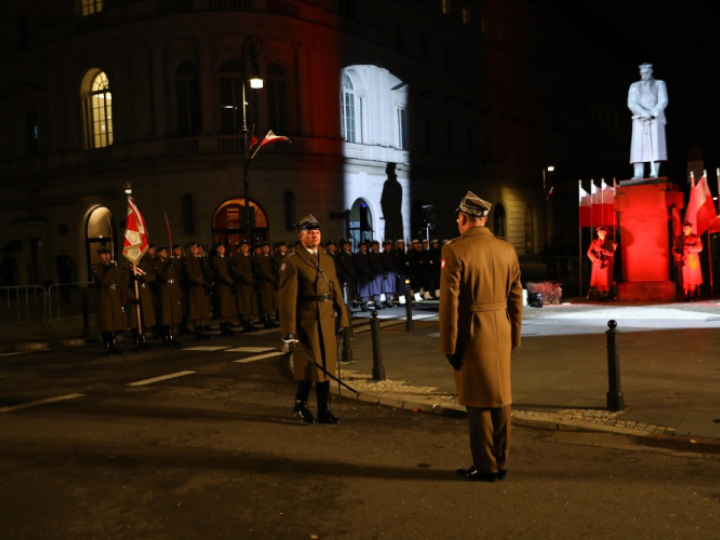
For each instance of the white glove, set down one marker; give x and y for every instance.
(288, 341)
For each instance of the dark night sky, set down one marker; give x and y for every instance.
(681, 40)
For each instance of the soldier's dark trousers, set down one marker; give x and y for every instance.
(489, 437)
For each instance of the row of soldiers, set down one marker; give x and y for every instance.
(177, 290)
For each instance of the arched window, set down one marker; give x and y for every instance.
(99, 232)
(98, 99)
(229, 222)
(277, 96)
(231, 97)
(187, 86)
(499, 221)
(349, 110)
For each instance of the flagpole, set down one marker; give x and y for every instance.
(137, 303)
(580, 260)
(712, 290)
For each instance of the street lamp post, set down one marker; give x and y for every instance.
(549, 168)
(252, 46)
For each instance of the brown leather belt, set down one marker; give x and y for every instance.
(488, 306)
(321, 298)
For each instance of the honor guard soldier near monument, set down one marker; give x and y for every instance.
(198, 291)
(223, 289)
(686, 251)
(602, 255)
(111, 295)
(145, 278)
(247, 306)
(480, 321)
(312, 314)
(267, 283)
(647, 100)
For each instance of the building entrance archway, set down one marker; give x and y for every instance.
(360, 222)
(228, 224)
(99, 232)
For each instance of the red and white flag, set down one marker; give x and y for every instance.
(584, 204)
(269, 138)
(607, 215)
(701, 210)
(135, 244)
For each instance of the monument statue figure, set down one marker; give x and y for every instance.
(647, 100)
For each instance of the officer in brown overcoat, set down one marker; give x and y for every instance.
(169, 294)
(145, 278)
(223, 289)
(245, 285)
(480, 321)
(310, 301)
(198, 291)
(111, 295)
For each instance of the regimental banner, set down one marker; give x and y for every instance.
(135, 244)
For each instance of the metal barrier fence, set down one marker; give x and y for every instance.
(65, 299)
(22, 303)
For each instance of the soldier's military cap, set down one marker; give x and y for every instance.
(241, 242)
(645, 65)
(401, 241)
(344, 241)
(280, 243)
(151, 246)
(308, 223)
(193, 244)
(415, 241)
(687, 224)
(364, 243)
(425, 241)
(331, 243)
(161, 248)
(601, 228)
(175, 246)
(473, 205)
(374, 242)
(434, 241)
(386, 242)
(102, 250)
(263, 244)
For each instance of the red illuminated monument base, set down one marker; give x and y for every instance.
(644, 226)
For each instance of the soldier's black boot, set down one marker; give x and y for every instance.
(113, 345)
(107, 342)
(325, 415)
(198, 333)
(139, 340)
(248, 326)
(269, 323)
(225, 329)
(168, 336)
(301, 410)
(203, 335)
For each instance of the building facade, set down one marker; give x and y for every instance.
(394, 109)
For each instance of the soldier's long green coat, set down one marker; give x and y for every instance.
(223, 290)
(313, 322)
(481, 315)
(169, 291)
(246, 296)
(198, 297)
(111, 295)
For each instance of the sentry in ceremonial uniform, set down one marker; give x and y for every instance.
(111, 295)
(480, 321)
(311, 301)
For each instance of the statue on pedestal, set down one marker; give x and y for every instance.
(647, 100)
(686, 250)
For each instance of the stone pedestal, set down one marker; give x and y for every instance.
(645, 240)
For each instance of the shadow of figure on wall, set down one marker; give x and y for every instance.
(391, 203)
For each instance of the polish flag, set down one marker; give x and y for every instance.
(135, 244)
(607, 215)
(584, 204)
(701, 210)
(269, 138)
(596, 210)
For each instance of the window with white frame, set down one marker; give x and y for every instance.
(349, 110)
(99, 112)
(402, 129)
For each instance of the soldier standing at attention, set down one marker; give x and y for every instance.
(223, 289)
(169, 293)
(246, 298)
(267, 281)
(347, 272)
(145, 278)
(480, 321)
(111, 296)
(178, 260)
(198, 291)
(310, 300)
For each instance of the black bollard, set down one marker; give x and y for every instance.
(348, 309)
(615, 400)
(408, 307)
(85, 315)
(378, 369)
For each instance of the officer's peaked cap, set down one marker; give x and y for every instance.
(308, 223)
(242, 242)
(103, 250)
(161, 248)
(472, 205)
